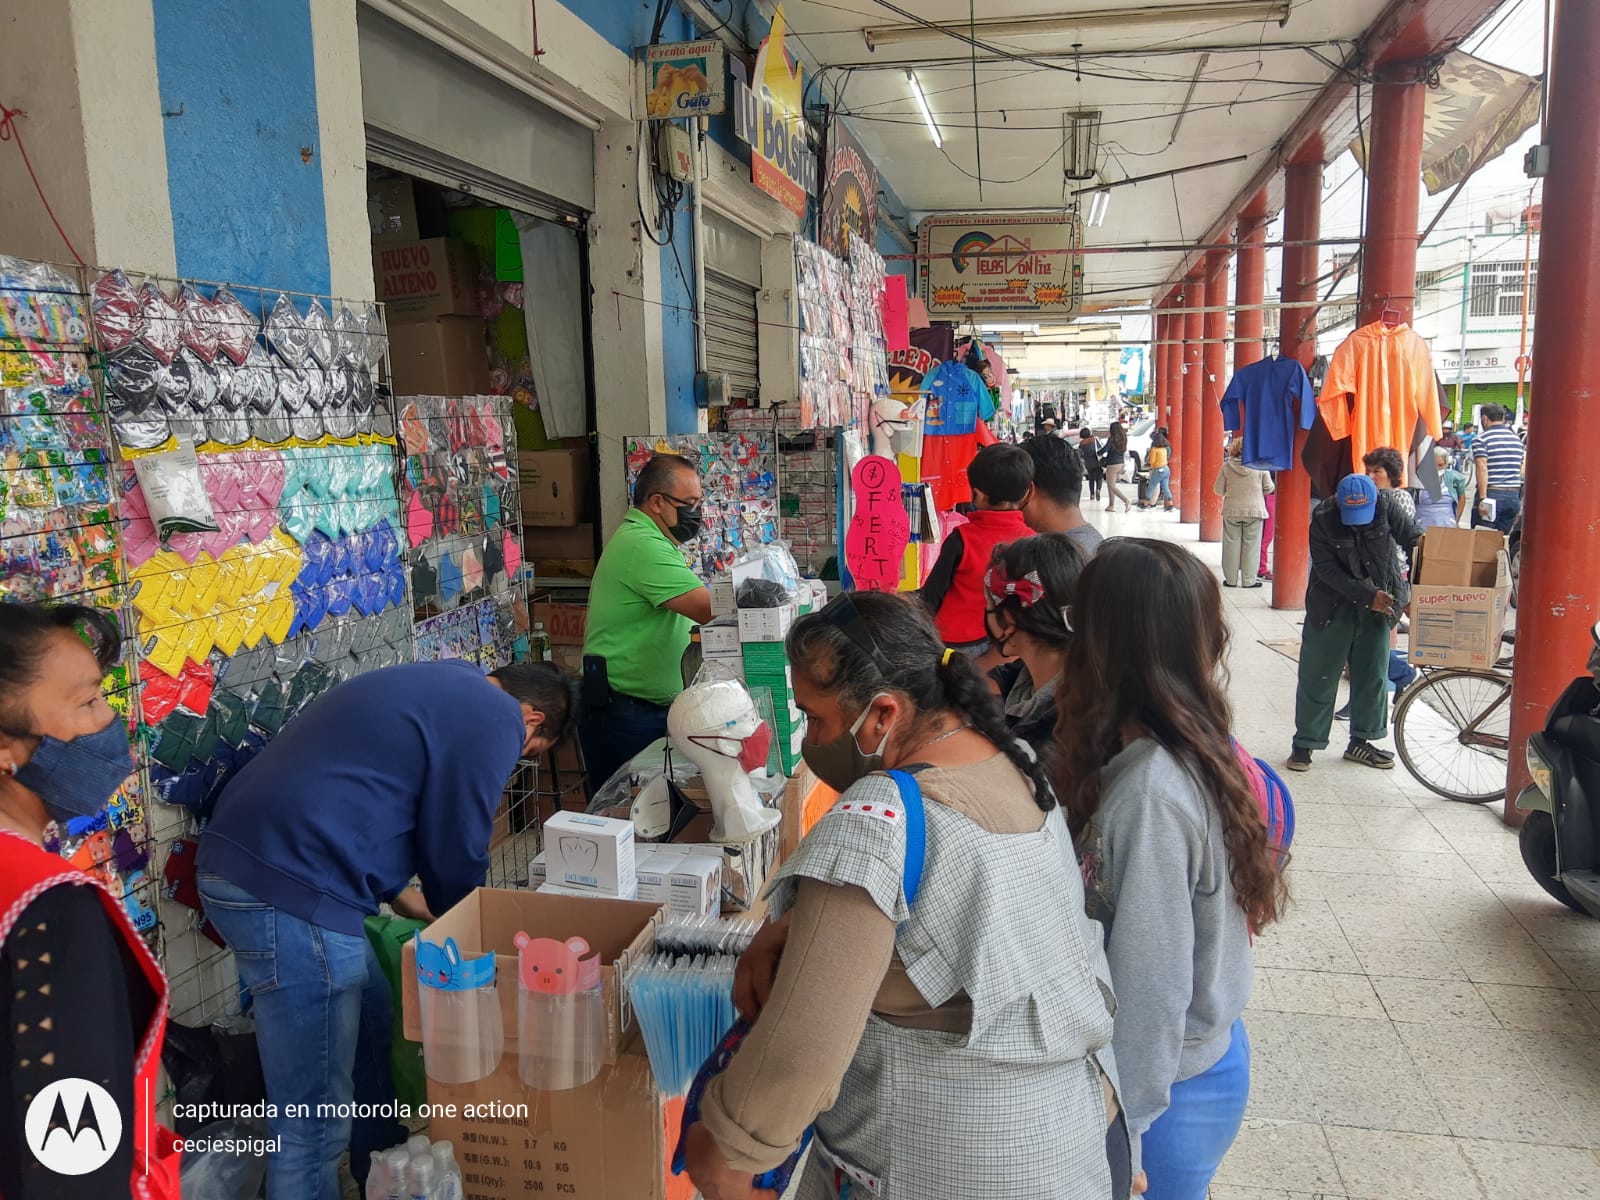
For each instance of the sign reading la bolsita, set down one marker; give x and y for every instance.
(769, 117)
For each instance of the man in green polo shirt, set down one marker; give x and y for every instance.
(642, 604)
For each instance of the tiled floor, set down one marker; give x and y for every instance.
(1426, 1022)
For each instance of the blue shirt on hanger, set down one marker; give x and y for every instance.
(1269, 400)
(956, 397)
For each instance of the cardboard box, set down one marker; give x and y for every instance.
(720, 639)
(766, 624)
(555, 487)
(745, 866)
(392, 210)
(1459, 604)
(574, 544)
(590, 852)
(421, 280)
(654, 870)
(536, 870)
(607, 1140)
(565, 623)
(722, 598)
(695, 889)
(583, 893)
(444, 357)
(488, 921)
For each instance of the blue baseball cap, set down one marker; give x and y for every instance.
(1358, 500)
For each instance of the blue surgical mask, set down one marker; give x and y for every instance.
(76, 778)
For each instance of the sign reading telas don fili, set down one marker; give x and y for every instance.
(1023, 264)
(769, 116)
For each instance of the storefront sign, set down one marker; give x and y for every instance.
(769, 117)
(850, 196)
(1483, 366)
(875, 543)
(684, 79)
(1020, 265)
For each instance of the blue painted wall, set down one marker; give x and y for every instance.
(244, 160)
(677, 324)
(626, 23)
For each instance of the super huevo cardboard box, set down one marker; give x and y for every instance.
(1460, 598)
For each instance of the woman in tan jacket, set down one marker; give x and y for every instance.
(1244, 492)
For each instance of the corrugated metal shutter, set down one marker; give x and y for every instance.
(430, 113)
(732, 334)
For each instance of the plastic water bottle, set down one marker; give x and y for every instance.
(539, 643)
(396, 1164)
(451, 1184)
(417, 1145)
(420, 1179)
(378, 1178)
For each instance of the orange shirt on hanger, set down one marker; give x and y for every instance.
(1389, 372)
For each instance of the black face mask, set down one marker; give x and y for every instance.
(689, 523)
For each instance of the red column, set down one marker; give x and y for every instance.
(1193, 367)
(1249, 321)
(1177, 353)
(1559, 591)
(1394, 187)
(1212, 382)
(1297, 338)
(1172, 360)
(1158, 362)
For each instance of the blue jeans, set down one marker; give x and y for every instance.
(324, 1018)
(1507, 504)
(1159, 481)
(612, 737)
(1184, 1148)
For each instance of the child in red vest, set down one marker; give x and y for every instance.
(1001, 476)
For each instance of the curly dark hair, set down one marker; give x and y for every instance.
(1391, 460)
(1148, 650)
(866, 643)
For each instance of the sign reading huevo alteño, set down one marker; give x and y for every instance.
(684, 79)
(1027, 264)
(769, 116)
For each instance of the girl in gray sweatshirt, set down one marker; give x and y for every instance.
(1174, 851)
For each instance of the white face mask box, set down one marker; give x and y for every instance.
(655, 867)
(696, 886)
(556, 889)
(596, 853)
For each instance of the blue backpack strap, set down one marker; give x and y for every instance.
(916, 831)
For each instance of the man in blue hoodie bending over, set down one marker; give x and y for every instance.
(391, 776)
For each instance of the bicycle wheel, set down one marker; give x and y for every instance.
(1453, 732)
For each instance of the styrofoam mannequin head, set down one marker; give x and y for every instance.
(713, 725)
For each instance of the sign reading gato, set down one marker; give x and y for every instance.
(683, 79)
(769, 116)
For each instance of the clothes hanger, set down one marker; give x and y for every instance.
(1391, 316)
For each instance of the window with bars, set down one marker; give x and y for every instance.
(1496, 289)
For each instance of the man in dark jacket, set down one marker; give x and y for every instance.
(1357, 593)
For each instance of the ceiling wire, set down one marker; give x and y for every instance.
(977, 136)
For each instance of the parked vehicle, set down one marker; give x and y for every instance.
(1560, 837)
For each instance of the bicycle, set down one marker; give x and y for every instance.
(1452, 729)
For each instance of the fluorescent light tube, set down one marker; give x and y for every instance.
(927, 113)
(1099, 207)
